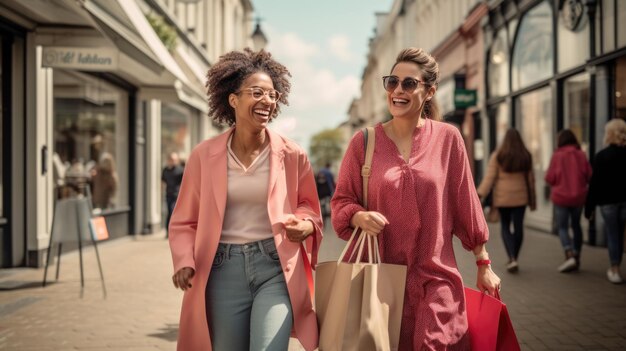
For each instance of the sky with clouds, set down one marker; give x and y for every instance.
(324, 45)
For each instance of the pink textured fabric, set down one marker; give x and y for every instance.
(426, 201)
(569, 175)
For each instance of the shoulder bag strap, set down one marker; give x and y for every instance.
(366, 169)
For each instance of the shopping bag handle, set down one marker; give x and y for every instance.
(362, 237)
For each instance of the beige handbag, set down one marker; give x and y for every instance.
(359, 304)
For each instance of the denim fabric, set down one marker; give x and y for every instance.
(614, 223)
(565, 216)
(248, 306)
(512, 239)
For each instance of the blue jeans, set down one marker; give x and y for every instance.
(248, 306)
(512, 239)
(614, 223)
(565, 216)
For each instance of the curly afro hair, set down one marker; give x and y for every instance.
(227, 75)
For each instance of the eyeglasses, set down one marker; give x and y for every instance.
(390, 83)
(258, 93)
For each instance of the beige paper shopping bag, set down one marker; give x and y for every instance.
(359, 305)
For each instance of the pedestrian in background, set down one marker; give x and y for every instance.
(420, 193)
(608, 190)
(171, 177)
(246, 206)
(325, 182)
(510, 175)
(568, 175)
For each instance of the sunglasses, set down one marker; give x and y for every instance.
(390, 83)
(258, 93)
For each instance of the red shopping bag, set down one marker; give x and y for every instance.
(489, 323)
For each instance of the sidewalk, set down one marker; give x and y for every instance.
(550, 310)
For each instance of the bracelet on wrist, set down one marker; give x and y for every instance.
(482, 256)
(483, 262)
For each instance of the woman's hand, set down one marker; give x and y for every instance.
(182, 277)
(371, 222)
(298, 229)
(487, 281)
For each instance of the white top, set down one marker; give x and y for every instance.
(246, 218)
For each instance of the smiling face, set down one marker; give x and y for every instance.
(408, 104)
(249, 112)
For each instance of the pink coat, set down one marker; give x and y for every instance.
(196, 226)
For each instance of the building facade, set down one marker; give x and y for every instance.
(92, 96)
(552, 65)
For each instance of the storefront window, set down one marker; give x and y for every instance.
(620, 88)
(503, 122)
(576, 107)
(499, 65)
(533, 54)
(608, 21)
(175, 131)
(621, 23)
(90, 139)
(533, 114)
(512, 29)
(573, 35)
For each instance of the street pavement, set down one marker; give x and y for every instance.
(549, 310)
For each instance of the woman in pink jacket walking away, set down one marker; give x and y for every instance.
(246, 206)
(568, 175)
(421, 193)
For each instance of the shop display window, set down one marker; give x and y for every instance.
(534, 116)
(576, 96)
(90, 139)
(498, 69)
(533, 53)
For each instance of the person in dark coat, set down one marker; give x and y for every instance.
(171, 177)
(607, 189)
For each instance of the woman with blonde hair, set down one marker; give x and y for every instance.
(421, 193)
(510, 174)
(607, 189)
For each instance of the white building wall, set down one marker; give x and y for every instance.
(39, 186)
(153, 162)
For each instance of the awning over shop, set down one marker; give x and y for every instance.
(186, 91)
(125, 39)
(126, 25)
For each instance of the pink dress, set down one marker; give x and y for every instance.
(426, 201)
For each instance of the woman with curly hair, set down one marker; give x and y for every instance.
(247, 221)
(607, 189)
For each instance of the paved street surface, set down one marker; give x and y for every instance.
(550, 310)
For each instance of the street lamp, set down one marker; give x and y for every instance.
(259, 40)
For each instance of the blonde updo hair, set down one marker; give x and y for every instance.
(615, 132)
(430, 71)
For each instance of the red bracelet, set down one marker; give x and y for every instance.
(483, 262)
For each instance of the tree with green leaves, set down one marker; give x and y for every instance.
(326, 147)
